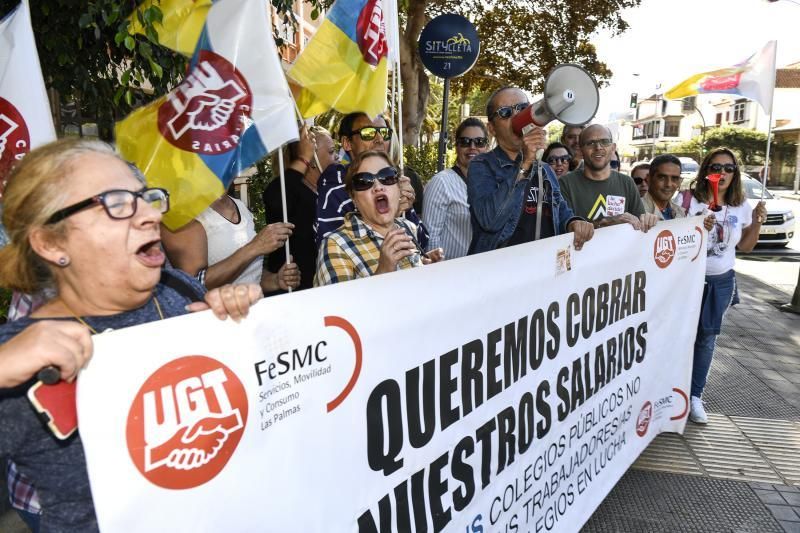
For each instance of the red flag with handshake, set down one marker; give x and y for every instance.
(25, 119)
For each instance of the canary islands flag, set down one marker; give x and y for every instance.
(345, 65)
(232, 109)
(753, 79)
(181, 23)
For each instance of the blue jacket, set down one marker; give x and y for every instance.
(495, 200)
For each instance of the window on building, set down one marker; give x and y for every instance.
(688, 104)
(672, 127)
(719, 119)
(286, 31)
(739, 112)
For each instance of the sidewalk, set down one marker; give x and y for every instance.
(741, 472)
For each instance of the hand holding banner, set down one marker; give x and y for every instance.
(519, 404)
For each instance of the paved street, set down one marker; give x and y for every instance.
(741, 472)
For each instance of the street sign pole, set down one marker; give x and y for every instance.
(448, 47)
(443, 131)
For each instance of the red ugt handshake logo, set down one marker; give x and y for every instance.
(209, 110)
(186, 421)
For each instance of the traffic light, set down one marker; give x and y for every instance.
(634, 100)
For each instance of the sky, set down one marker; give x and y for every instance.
(669, 40)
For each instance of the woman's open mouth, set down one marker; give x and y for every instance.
(150, 254)
(382, 204)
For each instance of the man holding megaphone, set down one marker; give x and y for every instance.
(513, 197)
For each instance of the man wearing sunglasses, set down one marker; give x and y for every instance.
(358, 134)
(599, 193)
(504, 185)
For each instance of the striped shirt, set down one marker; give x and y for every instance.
(353, 251)
(447, 213)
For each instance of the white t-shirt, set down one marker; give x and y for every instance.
(225, 237)
(724, 236)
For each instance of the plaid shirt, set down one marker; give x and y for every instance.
(353, 251)
(21, 492)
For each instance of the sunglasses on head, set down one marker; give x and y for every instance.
(363, 181)
(717, 167)
(507, 111)
(477, 142)
(368, 133)
(553, 159)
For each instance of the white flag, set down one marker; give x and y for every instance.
(758, 80)
(392, 26)
(25, 119)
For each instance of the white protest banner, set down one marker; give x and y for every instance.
(507, 391)
(25, 119)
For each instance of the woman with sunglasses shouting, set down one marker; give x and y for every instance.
(373, 239)
(445, 203)
(736, 227)
(81, 221)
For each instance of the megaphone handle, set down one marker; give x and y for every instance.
(539, 194)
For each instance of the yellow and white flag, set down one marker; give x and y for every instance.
(753, 79)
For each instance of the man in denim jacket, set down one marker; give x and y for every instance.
(503, 185)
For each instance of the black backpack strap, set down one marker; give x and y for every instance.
(188, 291)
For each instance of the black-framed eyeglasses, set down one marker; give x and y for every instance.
(553, 159)
(118, 204)
(614, 165)
(477, 142)
(637, 180)
(508, 111)
(717, 167)
(594, 143)
(363, 181)
(368, 133)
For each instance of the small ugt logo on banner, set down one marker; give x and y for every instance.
(210, 108)
(186, 421)
(371, 33)
(664, 249)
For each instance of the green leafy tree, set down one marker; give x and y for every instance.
(521, 41)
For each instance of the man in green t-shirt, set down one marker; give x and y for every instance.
(601, 195)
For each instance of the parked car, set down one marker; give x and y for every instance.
(779, 227)
(689, 168)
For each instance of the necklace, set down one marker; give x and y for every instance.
(94, 331)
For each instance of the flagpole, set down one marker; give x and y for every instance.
(399, 113)
(283, 204)
(765, 177)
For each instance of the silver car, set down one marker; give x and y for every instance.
(779, 227)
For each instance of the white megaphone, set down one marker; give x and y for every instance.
(570, 96)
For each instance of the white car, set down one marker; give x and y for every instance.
(779, 227)
(689, 168)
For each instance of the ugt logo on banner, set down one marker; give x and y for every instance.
(186, 421)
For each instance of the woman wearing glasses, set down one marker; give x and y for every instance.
(736, 227)
(80, 221)
(445, 203)
(558, 157)
(373, 239)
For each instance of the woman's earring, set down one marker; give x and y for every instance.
(63, 261)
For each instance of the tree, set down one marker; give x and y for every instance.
(545, 33)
